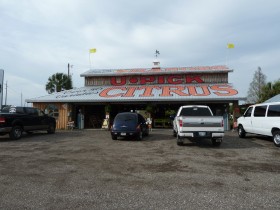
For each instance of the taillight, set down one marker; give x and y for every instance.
(138, 128)
(222, 123)
(2, 120)
(181, 123)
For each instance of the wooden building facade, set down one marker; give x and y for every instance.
(159, 91)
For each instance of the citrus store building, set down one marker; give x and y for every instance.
(155, 92)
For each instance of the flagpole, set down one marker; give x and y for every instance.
(89, 60)
(227, 57)
(229, 46)
(93, 50)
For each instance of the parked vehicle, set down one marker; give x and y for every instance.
(197, 122)
(15, 120)
(262, 119)
(129, 124)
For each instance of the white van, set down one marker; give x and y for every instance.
(263, 119)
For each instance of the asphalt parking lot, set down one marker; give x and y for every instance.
(85, 169)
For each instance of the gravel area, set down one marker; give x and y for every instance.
(86, 169)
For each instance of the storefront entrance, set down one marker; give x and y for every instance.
(160, 113)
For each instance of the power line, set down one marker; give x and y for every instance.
(9, 89)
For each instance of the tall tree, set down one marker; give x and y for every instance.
(256, 86)
(58, 82)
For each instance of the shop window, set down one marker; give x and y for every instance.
(52, 110)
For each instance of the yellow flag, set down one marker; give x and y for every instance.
(230, 45)
(93, 50)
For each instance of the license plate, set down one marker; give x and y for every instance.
(202, 133)
(123, 134)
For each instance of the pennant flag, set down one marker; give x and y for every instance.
(93, 50)
(230, 45)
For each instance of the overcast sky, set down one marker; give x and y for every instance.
(39, 38)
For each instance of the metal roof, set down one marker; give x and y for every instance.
(273, 99)
(190, 92)
(156, 70)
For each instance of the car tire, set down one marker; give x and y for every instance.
(51, 129)
(216, 143)
(174, 133)
(114, 137)
(179, 140)
(241, 131)
(147, 132)
(140, 136)
(16, 132)
(276, 138)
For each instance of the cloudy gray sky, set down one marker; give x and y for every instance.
(39, 38)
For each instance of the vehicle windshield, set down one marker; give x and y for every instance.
(125, 117)
(195, 111)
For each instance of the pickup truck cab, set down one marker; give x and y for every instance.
(197, 121)
(15, 120)
(262, 119)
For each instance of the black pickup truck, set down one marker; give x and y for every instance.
(16, 120)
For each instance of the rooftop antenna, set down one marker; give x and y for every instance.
(156, 62)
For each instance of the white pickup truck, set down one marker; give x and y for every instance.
(197, 121)
(261, 119)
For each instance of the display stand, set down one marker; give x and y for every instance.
(105, 124)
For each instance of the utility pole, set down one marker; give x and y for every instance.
(259, 82)
(6, 93)
(69, 66)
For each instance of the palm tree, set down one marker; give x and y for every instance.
(58, 82)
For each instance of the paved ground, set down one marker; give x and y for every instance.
(87, 170)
